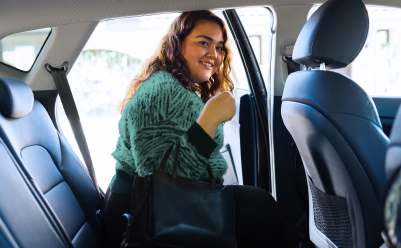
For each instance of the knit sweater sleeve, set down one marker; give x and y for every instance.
(155, 121)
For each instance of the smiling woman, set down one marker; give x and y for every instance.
(183, 93)
(203, 54)
(170, 57)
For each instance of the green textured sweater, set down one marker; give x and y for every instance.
(161, 112)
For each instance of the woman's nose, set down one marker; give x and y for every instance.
(212, 53)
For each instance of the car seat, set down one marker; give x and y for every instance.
(49, 162)
(25, 219)
(336, 128)
(392, 203)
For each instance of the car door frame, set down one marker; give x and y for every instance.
(265, 176)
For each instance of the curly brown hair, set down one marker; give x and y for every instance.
(168, 58)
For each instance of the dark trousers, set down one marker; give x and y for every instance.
(259, 221)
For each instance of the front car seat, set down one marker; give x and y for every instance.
(392, 204)
(337, 130)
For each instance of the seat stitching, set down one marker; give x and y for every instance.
(69, 146)
(327, 113)
(53, 187)
(356, 116)
(75, 235)
(44, 149)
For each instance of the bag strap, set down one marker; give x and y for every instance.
(177, 148)
(134, 214)
(174, 175)
(165, 157)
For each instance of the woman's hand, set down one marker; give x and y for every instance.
(218, 109)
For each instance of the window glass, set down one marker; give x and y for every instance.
(257, 22)
(236, 62)
(20, 50)
(99, 79)
(378, 67)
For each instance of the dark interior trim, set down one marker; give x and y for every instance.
(257, 87)
(48, 99)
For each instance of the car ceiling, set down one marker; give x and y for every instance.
(73, 22)
(17, 16)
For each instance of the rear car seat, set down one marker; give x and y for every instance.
(25, 221)
(41, 151)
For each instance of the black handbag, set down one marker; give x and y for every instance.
(172, 211)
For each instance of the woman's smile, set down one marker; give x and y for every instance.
(207, 64)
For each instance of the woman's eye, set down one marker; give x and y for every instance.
(220, 49)
(203, 43)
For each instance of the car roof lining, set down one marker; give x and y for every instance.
(73, 22)
(50, 13)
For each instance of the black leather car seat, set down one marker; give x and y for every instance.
(25, 219)
(392, 205)
(49, 161)
(393, 155)
(337, 130)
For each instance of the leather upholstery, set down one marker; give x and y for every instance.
(392, 206)
(24, 222)
(48, 159)
(16, 98)
(331, 92)
(351, 110)
(342, 149)
(334, 34)
(393, 156)
(337, 130)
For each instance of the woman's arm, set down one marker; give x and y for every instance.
(218, 109)
(153, 119)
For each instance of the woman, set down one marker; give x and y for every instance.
(183, 92)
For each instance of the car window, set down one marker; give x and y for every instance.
(257, 22)
(110, 60)
(378, 66)
(20, 50)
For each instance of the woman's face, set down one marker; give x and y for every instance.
(202, 50)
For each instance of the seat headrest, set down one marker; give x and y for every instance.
(334, 34)
(16, 98)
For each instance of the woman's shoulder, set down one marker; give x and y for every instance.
(159, 81)
(159, 85)
(163, 76)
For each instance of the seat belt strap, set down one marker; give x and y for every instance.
(64, 91)
(292, 66)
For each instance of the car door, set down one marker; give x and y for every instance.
(250, 122)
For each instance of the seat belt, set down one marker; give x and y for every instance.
(64, 91)
(292, 66)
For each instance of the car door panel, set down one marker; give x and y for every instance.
(240, 141)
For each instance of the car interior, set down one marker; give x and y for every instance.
(337, 130)
(316, 123)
